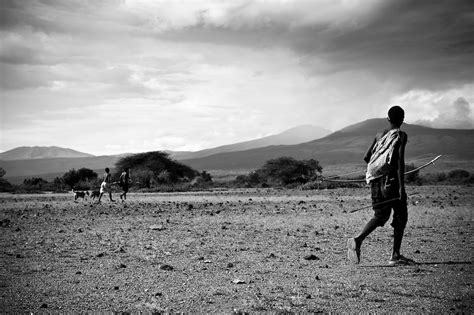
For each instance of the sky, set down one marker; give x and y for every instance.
(119, 76)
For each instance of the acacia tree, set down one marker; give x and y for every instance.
(155, 167)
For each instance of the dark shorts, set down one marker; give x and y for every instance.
(384, 189)
(125, 188)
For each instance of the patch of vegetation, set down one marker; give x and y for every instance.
(281, 172)
(5, 185)
(82, 179)
(454, 177)
(34, 184)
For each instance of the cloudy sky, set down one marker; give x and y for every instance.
(115, 76)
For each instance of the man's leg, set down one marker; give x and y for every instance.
(110, 196)
(400, 218)
(124, 194)
(381, 216)
(368, 228)
(354, 244)
(397, 242)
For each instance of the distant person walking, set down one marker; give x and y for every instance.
(385, 173)
(124, 182)
(106, 185)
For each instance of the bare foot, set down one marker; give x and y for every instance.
(353, 251)
(401, 261)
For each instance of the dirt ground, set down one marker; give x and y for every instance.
(233, 251)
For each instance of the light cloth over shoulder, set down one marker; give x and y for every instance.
(104, 188)
(382, 155)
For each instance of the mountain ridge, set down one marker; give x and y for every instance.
(41, 152)
(295, 135)
(348, 145)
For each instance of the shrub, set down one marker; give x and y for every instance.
(440, 177)
(84, 175)
(5, 185)
(454, 177)
(203, 180)
(287, 170)
(458, 174)
(58, 184)
(33, 184)
(205, 176)
(282, 171)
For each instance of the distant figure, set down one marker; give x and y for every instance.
(124, 181)
(106, 185)
(385, 173)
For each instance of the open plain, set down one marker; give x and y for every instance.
(231, 251)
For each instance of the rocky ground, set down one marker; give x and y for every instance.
(233, 251)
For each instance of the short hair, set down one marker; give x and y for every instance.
(396, 114)
(107, 170)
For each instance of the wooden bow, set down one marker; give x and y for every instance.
(333, 178)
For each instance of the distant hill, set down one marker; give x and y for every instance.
(29, 153)
(294, 135)
(347, 145)
(28, 168)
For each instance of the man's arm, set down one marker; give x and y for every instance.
(368, 154)
(401, 165)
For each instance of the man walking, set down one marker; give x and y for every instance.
(106, 185)
(385, 173)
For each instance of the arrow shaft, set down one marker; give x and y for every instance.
(380, 203)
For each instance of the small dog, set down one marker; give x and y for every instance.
(95, 193)
(80, 194)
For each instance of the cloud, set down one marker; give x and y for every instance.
(420, 44)
(252, 15)
(187, 75)
(440, 109)
(23, 77)
(458, 116)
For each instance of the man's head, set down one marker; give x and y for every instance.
(107, 170)
(396, 114)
